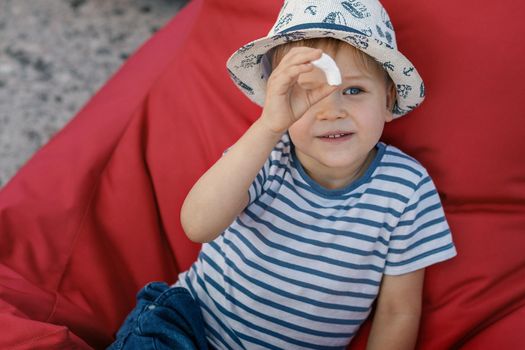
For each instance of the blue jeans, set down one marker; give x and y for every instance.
(164, 318)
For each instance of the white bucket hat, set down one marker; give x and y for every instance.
(363, 24)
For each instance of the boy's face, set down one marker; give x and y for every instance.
(336, 136)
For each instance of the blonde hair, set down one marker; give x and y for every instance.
(366, 62)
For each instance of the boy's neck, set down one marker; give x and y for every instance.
(333, 178)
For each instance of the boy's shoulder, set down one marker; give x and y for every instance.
(397, 163)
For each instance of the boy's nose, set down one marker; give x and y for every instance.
(331, 108)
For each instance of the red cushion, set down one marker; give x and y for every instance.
(469, 134)
(94, 215)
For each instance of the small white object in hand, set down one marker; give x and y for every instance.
(330, 69)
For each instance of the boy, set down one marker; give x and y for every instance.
(308, 217)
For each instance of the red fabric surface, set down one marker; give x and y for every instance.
(95, 214)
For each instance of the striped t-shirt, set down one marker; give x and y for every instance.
(301, 266)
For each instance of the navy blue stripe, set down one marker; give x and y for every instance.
(421, 256)
(300, 238)
(296, 267)
(266, 286)
(409, 208)
(281, 145)
(331, 231)
(227, 314)
(281, 163)
(350, 234)
(435, 207)
(272, 304)
(390, 151)
(322, 25)
(420, 242)
(253, 326)
(402, 166)
(210, 329)
(226, 329)
(266, 302)
(419, 228)
(432, 193)
(350, 219)
(424, 181)
(214, 334)
(302, 284)
(295, 252)
(386, 194)
(252, 194)
(300, 185)
(315, 215)
(396, 180)
(339, 232)
(259, 180)
(371, 207)
(291, 311)
(357, 195)
(429, 194)
(317, 190)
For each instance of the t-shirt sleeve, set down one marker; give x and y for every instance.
(272, 169)
(277, 159)
(257, 186)
(422, 236)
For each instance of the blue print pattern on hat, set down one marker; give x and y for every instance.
(356, 9)
(289, 37)
(251, 60)
(335, 18)
(245, 48)
(283, 21)
(364, 24)
(246, 88)
(359, 41)
(312, 10)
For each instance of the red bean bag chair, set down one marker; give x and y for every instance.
(95, 214)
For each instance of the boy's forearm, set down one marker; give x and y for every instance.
(222, 192)
(394, 331)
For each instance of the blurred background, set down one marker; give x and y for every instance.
(54, 55)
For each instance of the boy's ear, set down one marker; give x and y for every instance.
(391, 95)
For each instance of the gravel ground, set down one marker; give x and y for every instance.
(54, 55)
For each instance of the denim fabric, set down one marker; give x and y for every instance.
(164, 318)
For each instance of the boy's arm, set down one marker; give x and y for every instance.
(222, 192)
(396, 319)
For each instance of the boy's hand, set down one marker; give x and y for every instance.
(286, 101)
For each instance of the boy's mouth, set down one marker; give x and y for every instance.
(335, 136)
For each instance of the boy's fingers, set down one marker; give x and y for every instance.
(315, 95)
(293, 70)
(290, 76)
(300, 55)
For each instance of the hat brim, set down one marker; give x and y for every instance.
(246, 65)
